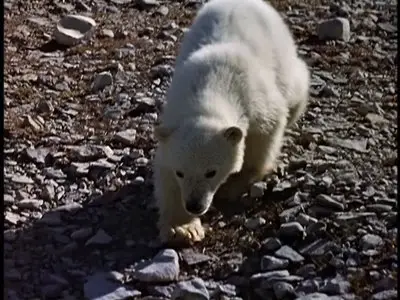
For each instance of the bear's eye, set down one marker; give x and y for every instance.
(179, 174)
(210, 174)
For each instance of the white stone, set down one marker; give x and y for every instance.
(73, 28)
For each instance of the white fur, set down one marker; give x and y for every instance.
(237, 67)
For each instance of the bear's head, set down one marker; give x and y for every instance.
(201, 157)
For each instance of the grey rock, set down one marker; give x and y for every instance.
(163, 268)
(270, 274)
(307, 271)
(163, 10)
(292, 230)
(336, 286)
(81, 234)
(385, 295)
(356, 145)
(12, 218)
(107, 33)
(162, 290)
(306, 220)
(37, 155)
(71, 29)
(48, 192)
(10, 235)
(99, 287)
(144, 4)
(283, 290)
(51, 219)
(258, 189)
(254, 223)
(86, 153)
(314, 296)
(370, 241)
(376, 119)
(271, 244)
(30, 204)
(69, 207)
(308, 286)
(191, 257)
(100, 238)
(334, 29)
(21, 179)
(289, 214)
(379, 208)
(8, 199)
(329, 202)
(352, 216)
(269, 263)
(190, 290)
(126, 137)
(384, 284)
(290, 254)
(101, 81)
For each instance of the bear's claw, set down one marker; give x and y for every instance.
(186, 233)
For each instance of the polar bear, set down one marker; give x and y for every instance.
(238, 83)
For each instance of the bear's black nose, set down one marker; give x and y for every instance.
(195, 206)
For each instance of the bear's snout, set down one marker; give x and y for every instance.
(196, 206)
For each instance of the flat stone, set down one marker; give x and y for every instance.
(254, 223)
(258, 189)
(37, 155)
(22, 179)
(164, 267)
(269, 263)
(336, 286)
(126, 137)
(8, 200)
(329, 202)
(385, 295)
(102, 80)
(81, 233)
(370, 241)
(292, 229)
(191, 257)
(100, 238)
(192, 289)
(290, 254)
(271, 244)
(11, 217)
(30, 204)
(266, 275)
(379, 208)
(51, 219)
(359, 145)
(71, 29)
(314, 296)
(334, 29)
(282, 290)
(100, 287)
(69, 207)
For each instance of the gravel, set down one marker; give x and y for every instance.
(79, 216)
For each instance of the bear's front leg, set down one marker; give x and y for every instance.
(176, 226)
(262, 150)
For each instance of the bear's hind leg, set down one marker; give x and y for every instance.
(175, 224)
(300, 93)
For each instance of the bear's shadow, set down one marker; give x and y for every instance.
(111, 232)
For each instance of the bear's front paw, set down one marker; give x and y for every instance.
(183, 234)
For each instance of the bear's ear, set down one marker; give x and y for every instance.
(233, 134)
(162, 133)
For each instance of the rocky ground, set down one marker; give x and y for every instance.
(79, 215)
